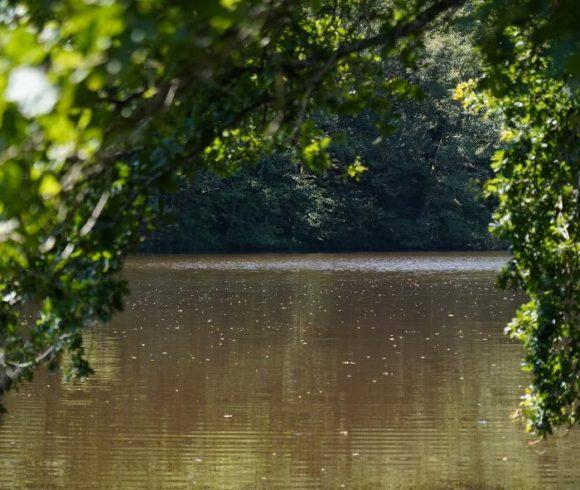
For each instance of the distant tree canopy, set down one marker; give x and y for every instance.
(422, 190)
(105, 103)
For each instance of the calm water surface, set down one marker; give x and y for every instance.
(304, 371)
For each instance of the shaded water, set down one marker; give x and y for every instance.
(305, 371)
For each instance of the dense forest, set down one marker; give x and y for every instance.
(422, 190)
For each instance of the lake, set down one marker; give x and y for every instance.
(292, 371)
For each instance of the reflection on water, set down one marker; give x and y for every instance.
(355, 371)
(370, 262)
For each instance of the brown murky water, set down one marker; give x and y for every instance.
(305, 371)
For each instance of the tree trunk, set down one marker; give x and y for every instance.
(6, 379)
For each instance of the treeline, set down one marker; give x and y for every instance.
(421, 192)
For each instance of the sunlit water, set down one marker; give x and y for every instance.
(306, 371)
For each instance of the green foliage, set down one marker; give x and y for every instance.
(422, 190)
(536, 184)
